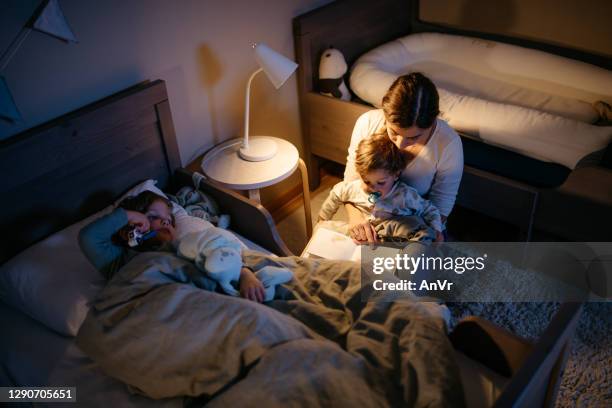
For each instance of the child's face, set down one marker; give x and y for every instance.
(378, 180)
(160, 219)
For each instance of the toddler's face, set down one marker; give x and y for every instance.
(160, 219)
(379, 180)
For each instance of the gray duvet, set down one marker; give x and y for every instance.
(160, 327)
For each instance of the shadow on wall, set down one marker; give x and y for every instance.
(486, 15)
(210, 69)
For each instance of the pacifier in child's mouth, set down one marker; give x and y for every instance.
(373, 197)
(136, 237)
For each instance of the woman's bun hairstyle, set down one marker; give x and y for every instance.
(412, 99)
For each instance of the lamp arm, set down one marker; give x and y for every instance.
(245, 141)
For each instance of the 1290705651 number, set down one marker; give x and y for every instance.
(37, 394)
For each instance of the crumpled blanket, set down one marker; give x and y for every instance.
(160, 327)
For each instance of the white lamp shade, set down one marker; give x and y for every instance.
(277, 67)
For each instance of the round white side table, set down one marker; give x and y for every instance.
(223, 165)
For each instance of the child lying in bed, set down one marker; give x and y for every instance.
(108, 242)
(396, 210)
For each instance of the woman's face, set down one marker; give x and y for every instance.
(160, 219)
(378, 180)
(405, 137)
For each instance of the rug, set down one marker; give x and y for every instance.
(587, 381)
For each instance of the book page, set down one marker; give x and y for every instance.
(329, 244)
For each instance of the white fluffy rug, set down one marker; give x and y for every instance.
(587, 381)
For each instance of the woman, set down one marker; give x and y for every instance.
(433, 150)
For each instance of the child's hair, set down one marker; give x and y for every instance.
(141, 203)
(377, 152)
(412, 99)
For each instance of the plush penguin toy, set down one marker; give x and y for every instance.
(332, 68)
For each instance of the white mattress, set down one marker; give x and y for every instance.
(532, 102)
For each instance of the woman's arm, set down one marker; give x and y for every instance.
(366, 125)
(449, 170)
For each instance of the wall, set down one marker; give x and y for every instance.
(200, 48)
(579, 24)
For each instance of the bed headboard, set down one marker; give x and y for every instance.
(58, 173)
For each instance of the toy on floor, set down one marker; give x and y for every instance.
(218, 253)
(200, 205)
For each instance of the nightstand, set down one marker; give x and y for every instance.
(223, 165)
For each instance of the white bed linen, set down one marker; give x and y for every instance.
(489, 70)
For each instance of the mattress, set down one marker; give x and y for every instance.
(510, 164)
(527, 101)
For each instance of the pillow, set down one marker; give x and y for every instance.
(486, 69)
(52, 281)
(149, 185)
(527, 131)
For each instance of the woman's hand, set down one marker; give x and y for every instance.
(439, 237)
(250, 287)
(138, 219)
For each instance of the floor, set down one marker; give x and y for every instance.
(292, 228)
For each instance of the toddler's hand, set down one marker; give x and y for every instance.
(362, 233)
(250, 287)
(140, 220)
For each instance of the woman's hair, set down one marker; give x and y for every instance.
(141, 203)
(412, 99)
(377, 152)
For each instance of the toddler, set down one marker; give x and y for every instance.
(396, 211)
(143, 223)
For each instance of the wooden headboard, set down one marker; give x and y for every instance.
(58, 173)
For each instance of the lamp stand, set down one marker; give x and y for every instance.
(259, 149)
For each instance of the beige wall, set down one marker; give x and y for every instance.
(581, 24)
(200, 48)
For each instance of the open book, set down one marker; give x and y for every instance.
(329, 244)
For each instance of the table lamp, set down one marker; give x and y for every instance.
(278, 69)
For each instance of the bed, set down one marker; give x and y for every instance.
(79, 163)
(527, 183)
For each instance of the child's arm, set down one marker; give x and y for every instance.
(95, 240)
(250, 287)
(429, 212)
(332, 202)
